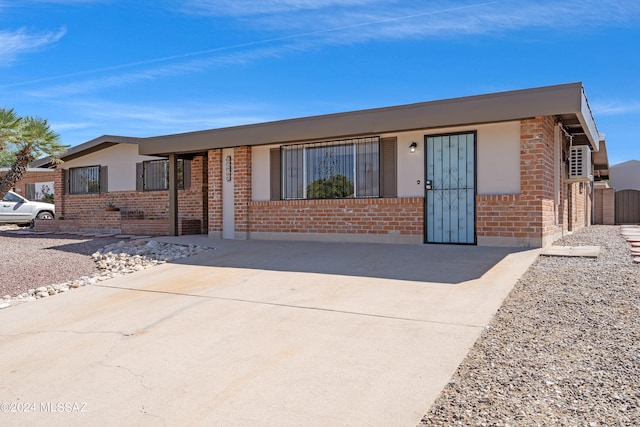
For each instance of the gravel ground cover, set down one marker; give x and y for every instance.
(70, 262)
(31, 261)
(564, 348)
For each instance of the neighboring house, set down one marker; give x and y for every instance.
(37, 184)
(495, 169)
(625, 176)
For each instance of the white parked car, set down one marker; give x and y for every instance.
(16, 209)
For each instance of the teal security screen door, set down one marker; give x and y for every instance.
(450, 188)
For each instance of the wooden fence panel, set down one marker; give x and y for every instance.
(628, 207)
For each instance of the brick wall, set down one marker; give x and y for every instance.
(32, 177)
(151, 208)
(242, 189)
(508, 217)
(404, 216)
(581, 205)
(533, 217)
(190, 201)
(519, 217)
(116, 222)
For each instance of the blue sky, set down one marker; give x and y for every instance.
(144, 68)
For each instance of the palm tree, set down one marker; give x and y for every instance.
(23, 139)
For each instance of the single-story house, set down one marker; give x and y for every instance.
(625, 175)
(511, 168)
(36, 184)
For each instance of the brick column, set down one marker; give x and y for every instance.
(58, 191)
(537, 174)
(242, 190)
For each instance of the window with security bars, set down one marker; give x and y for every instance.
(84, 180)
(155, 174)
(30, 191)
(331, 170)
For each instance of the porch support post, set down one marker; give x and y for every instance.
(173, 195)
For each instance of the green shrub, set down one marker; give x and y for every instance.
(335, 187)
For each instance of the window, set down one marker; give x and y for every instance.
(30, 191)
(331, 170)
(39, 192)
(86, 180)
(10, 197)
(154, 175)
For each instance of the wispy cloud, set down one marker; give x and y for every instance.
(68, 126)
(173, 68)
(155, 118)
(298, 25)
(414, 18)
(69, 2)
(262, 7)
(14, 43)
(616, 108)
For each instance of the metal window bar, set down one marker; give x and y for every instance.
(331, 169)
(155, 175)
(84, 180)
(368, 169)
(292, 172)
(30, 191)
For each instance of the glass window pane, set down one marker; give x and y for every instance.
(293, 178)
(156, 175)
(368, 168)
(84, 180)
(329, 171)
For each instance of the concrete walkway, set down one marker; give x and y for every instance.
(256, 333)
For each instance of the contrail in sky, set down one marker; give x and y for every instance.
(241, 45)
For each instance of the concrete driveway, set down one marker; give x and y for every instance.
(256, 333)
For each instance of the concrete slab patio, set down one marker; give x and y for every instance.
(256, 333)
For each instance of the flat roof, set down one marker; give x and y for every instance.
(88, 147)
(567, 102)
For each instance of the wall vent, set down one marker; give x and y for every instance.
(580, 164)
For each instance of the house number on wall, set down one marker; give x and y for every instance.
(227, 167)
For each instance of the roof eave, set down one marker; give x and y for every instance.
(585, 116)
(489, 108)
(85, 148)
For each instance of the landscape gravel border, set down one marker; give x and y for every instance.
(114, 259)
(563, 349)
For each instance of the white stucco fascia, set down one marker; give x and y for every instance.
(121, 161)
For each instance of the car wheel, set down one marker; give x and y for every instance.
(45, 215)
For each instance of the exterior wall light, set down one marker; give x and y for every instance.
(413, 147)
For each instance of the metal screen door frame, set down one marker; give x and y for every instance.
(450, 188)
